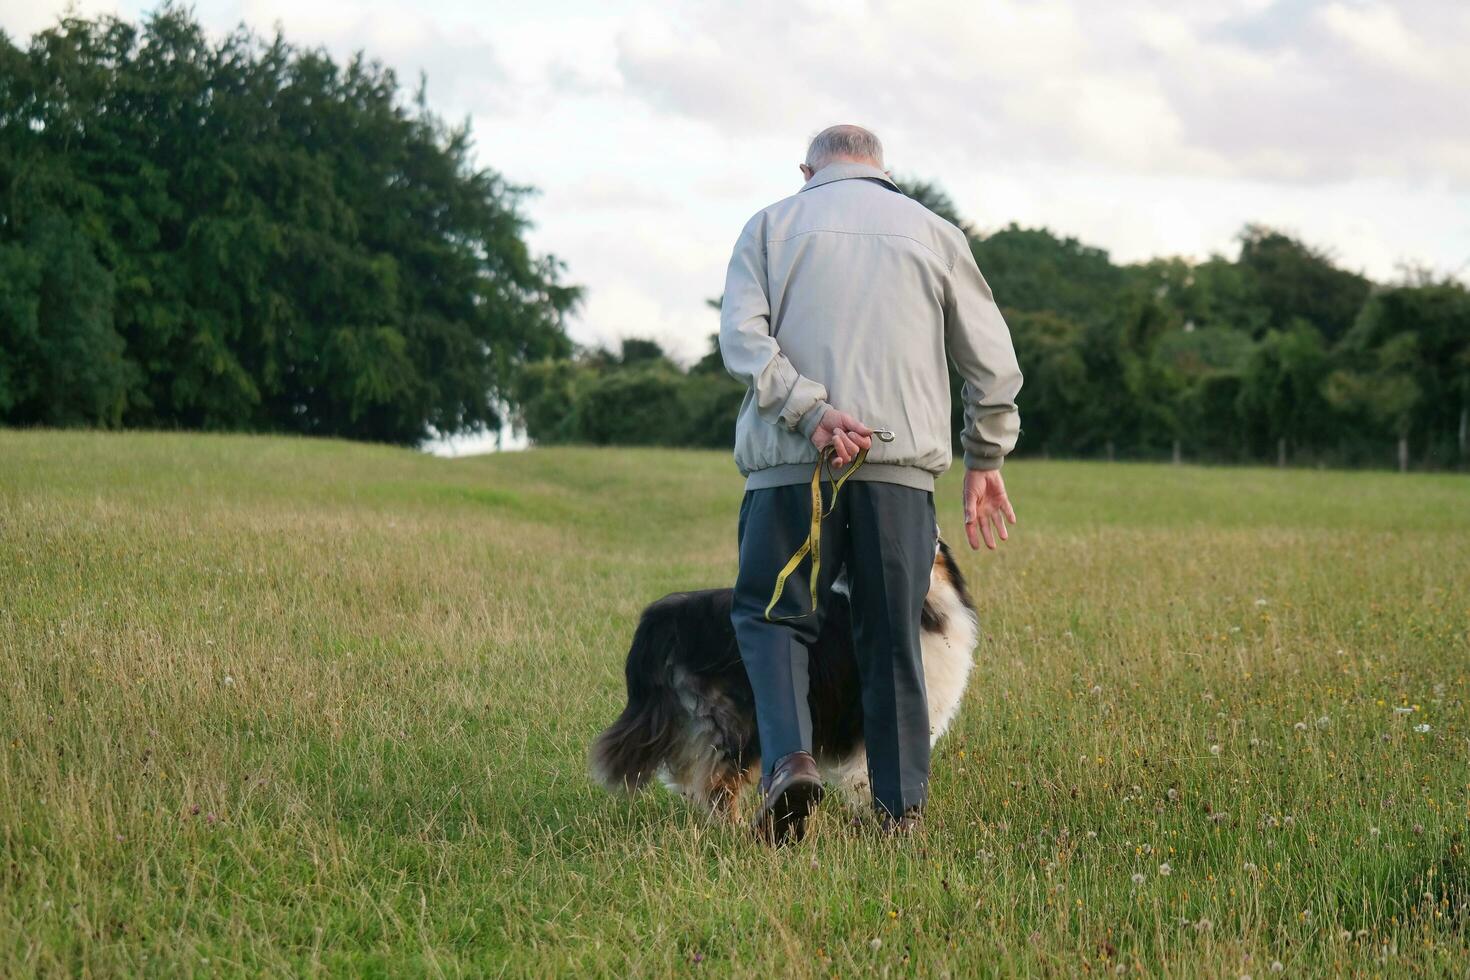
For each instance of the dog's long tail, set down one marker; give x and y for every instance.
(628, 753)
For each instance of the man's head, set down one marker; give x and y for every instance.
(842, 144)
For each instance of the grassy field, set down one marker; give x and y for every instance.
(295, 707)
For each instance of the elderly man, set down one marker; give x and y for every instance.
(841, 303)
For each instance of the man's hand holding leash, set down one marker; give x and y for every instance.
(845, 434)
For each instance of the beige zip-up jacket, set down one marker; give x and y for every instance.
(850, 294)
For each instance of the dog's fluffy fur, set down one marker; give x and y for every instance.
(690, 718)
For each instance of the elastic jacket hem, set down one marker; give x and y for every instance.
(793, 473)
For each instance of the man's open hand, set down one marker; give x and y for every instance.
(986, 504)
(845, 434)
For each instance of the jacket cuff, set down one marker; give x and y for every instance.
(973, 462)
(812, 419)
(805, 395)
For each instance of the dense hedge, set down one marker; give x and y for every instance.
(637, 398)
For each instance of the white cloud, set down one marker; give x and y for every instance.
(1377, 33)
(459, 58)
(1139, 87)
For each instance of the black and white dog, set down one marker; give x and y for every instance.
(690, 719)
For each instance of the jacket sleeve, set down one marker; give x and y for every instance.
(980, 344)
(752, 356)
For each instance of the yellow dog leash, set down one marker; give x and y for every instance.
(813, 543)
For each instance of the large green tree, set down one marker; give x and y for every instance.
(1282, 398)
(1297, 282)
(243, 234)
(1404, 369)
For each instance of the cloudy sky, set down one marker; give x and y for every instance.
(653, 130)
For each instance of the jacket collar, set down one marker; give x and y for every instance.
(848, 171)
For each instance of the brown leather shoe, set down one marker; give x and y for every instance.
(794, 791)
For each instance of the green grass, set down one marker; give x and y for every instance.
(286, 706)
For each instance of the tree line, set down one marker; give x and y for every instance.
(1276, 355)
(244, 234)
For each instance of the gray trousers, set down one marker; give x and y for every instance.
(884, 535)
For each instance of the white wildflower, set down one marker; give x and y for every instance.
(1324, 722)
(1214, 750)
(1138, 878)
(1165, 870)
(1422, 729)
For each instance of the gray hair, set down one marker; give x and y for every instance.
(836, 142)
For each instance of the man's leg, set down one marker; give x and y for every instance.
(889, 561)
(773, 524)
